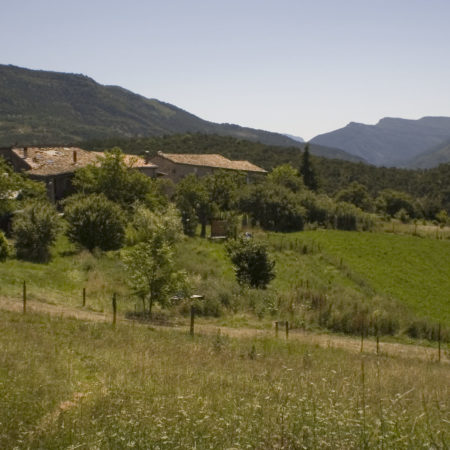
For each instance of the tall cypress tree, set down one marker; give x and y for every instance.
(308, 172)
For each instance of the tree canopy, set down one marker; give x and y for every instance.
(116, 180)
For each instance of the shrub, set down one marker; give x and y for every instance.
(146, 224)
(391, 202)
(252, 264)
(319, 208)
(287, 176)
(442, 217)
(35, 229)
(356, 194)
(422, 329)
(94, 221)
(345, 217)
(348, 217)
(4, 247)
(275, 207)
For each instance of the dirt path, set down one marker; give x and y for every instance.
(323, 340)
(54, 310)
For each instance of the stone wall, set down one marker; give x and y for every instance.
(177, 172)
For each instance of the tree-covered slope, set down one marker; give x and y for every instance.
(44, 108)
(391, 142)
(266, 156)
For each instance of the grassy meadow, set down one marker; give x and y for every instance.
(82, 383)
(66, 383)
(329, 280)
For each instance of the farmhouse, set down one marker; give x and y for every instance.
(56, 165)
(177, 166)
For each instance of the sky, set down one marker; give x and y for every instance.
(302, 67)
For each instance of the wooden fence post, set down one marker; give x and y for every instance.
(276, 328)
(287, 329)
(84, 296)
(24, 297)
(439, 343)
(362, 338)
(114, 305)
(192, 320)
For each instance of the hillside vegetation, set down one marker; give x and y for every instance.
(324, 280)
(41, 107)
(431, 185)
(49, 108)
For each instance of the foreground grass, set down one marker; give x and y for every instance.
(69, 384)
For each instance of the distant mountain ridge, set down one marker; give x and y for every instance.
(432, 158)
(294, 138)
(391, 142)
(44, 108)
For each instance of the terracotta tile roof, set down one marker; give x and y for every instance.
(211, 160)
(58, 160)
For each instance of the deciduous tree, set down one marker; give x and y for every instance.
(251, 261)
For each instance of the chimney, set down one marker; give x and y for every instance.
(74, 156)
(25, 152)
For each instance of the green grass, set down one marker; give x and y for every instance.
(324, 279)
(69, 384)
(408, 269)
(62, 280)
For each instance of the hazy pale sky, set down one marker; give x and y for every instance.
(302, 67)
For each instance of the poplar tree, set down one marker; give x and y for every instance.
(310, 178)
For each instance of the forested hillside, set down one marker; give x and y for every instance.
(51, 108)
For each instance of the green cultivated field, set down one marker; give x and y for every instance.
(71, 384)
(414, 270)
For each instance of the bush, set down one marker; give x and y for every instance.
(35, 229)
(275, 207)
(4, 247)
(422, 329)
(402, 215)
(146, 224)
(319, 208)
(391, 202)
(345, 217)
(94, 221)
(252, 264)
(348, 217)
(356, 194)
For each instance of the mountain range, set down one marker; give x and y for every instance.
(394, 142)
(51, 108)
